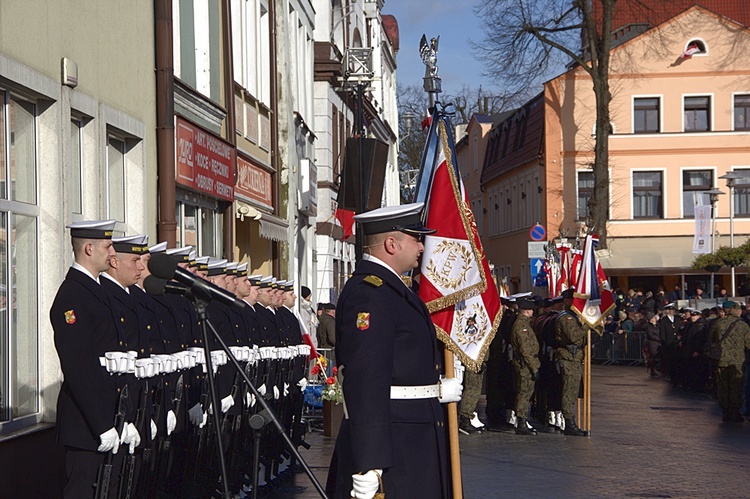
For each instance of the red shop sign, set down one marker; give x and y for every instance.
(253, 183)
(204, 162)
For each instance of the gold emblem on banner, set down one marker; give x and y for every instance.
(457, 263)
(472, 325)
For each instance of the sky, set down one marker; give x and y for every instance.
(455, 22)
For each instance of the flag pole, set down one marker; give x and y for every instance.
(453, 446)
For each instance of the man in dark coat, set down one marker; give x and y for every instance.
(388, 357)
(668, 327)
(84, 332)
(327, 326)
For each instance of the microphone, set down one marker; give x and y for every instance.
(159, 287)
(165, 267)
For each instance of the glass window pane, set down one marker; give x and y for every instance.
(191, 227)
(4, 339)
(75, 166)
(25, 383)
(116, 178)
(178, 219)
(3, 148)
(22, 152)
(208, 231)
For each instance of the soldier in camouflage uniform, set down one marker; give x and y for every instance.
(729, 373)
(525, 362)
(571, 336)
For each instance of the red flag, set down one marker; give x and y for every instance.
(592, 300)
(690, 50)
(346, 219)
(455, 278)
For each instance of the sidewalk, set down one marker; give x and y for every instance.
(647, 440)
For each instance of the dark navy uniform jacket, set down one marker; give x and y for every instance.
(385, 337)
(84, 330)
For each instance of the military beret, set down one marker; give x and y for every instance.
(731, 304)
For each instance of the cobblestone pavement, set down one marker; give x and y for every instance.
(647, 440)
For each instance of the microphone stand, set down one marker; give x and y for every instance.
(201, 300)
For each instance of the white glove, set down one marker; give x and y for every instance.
(276, 393)
(365, 486)
(249, 399)
(130, 437)
(262, 390)
(203, 421)
(450, 390)
(154, 430)
(195, 414)
(226, 403)
(286, 389)
(171, 422)
(302, 384)
(110, 441)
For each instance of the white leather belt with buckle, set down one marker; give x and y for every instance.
(415, 392)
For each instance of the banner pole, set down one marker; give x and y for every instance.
(453, 446)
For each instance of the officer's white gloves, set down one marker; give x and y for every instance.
(195, 414)
(153, 430)
(130, 437)
(171, 422)
(262, 390)
(226, 403)
(365, 486)
(450, 390)
(249, 399)
(302, 384)
(109, 441)
(286, 389)
(276, 392)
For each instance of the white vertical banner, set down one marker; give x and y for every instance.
(702, 240)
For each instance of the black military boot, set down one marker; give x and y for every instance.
(572, 429)
(465, 426)
(523, 429)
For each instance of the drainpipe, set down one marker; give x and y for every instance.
(275, 263)
(165, 142)
(226, 14)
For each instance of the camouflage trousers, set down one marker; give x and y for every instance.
(472, 391)
(525, 389)
(571, 378)
(730, 387)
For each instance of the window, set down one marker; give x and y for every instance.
(694, 185)
(585, 191)
(697, 111)
(742, 112)
(742, 197)
(250, 39)
(647, 195)
(19, 336)
(200, 227)
(646, 115)
(75, 163)
(115, 181)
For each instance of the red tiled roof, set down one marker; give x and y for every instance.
(655, 12)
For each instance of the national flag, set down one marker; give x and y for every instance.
(575, 265)
(592, 299)
(455, 281)
(690, 50)
(346, 219)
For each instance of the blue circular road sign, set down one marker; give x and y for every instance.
(538, 233)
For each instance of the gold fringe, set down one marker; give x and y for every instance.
(473, 365)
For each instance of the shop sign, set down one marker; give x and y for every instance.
(253, 183)
(204, 162)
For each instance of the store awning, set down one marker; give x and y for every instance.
(271, 227)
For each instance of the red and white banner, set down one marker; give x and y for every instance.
(455, 281)
(592, 299)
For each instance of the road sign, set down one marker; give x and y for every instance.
(538, 278)
(537, 249)
(538, 233)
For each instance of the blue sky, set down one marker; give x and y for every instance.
(455, 23)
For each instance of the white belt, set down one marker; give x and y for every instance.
(415, 392)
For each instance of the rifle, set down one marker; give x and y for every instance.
(149, 463)
(128, 464)
(164, 455)
(104, 476)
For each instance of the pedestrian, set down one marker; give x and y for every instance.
(389, 360)
(652, 342)
(668, 326)
(327, 326)
(732, 336)
(571, 336)
(525, 362)
(307, 314)
(84, 332)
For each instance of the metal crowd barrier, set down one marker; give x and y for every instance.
(613, 348)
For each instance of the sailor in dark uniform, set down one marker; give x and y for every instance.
(390, 362)
(84, 331)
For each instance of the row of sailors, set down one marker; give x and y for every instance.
(154, 346)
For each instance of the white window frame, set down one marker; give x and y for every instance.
(664, 200)
(712, 169)
(712, 106)
(660, 97)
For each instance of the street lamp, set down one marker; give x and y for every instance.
(714, 195)
(733, 178)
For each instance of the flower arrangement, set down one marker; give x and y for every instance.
(331, 387)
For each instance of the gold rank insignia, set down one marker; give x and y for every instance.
(363, 320)
(373, 280)
(70, 316)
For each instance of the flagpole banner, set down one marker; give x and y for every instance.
(451, 269)
(455, 274)
(592, 299)
(702, 239)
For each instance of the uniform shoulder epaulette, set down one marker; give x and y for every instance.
(374, 281)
